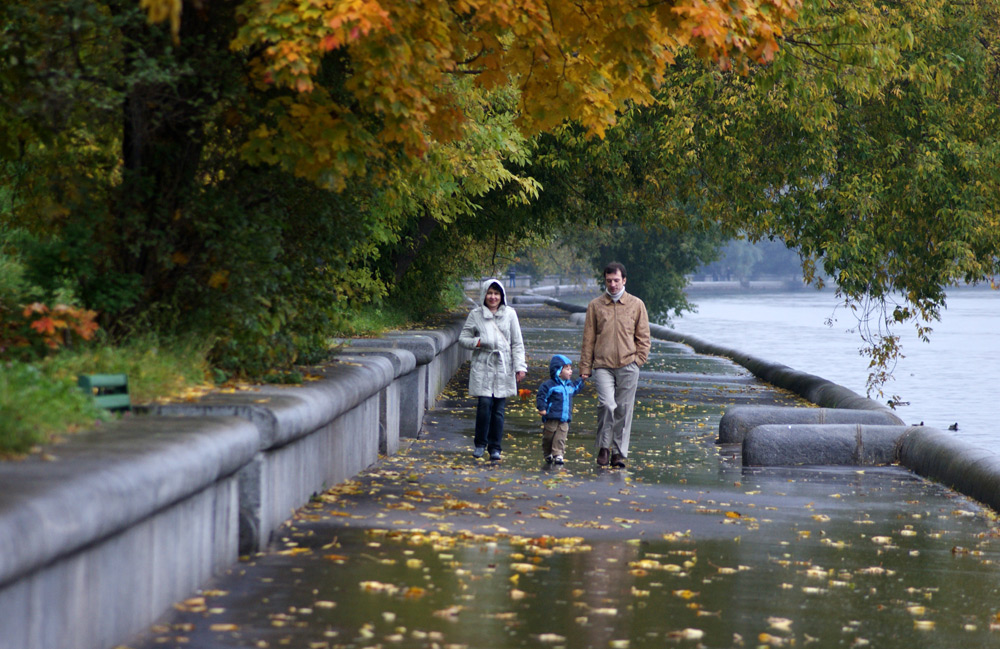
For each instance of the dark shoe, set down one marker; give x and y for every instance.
(548, 459)
(478, 453)
(558, 459)
(494, 455)
(602, 457)
(617, 461)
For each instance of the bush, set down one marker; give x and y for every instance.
(36, 329)
(30, 328)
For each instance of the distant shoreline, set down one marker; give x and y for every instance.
(788, 286)
(754, 285)
(713, 287)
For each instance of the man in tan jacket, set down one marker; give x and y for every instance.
(615, 346)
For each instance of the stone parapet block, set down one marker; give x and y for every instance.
(528, 299)
(423, 347)
(566, 306)
(403, 361)
(809, 444)
(738, 420)
(971, 470)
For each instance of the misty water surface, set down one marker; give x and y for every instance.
(952, 379)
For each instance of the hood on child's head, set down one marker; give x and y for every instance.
(486, 286)
(557, 363)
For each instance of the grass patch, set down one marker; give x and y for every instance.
(34, 407)
(41, 401)
(155, 367)
(374, 320)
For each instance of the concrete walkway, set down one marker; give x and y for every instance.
(431, 548)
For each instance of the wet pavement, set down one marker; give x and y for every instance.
(432, 548)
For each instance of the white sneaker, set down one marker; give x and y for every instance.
(558, 459)
(548, 459)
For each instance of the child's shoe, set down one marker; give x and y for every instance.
(558, 459)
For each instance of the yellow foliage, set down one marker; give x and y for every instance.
(160, 10)
(580, 60)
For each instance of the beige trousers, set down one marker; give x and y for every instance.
(554, 434)
(615, 404)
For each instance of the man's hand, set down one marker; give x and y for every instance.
(584, 375)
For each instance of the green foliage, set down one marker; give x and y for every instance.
(456, 207)
(657, 260)
(14, 289)
(869, 145)
(609, 199)
(35, 406)
(552, 254)
(30, 328)
(41, 400)
(269, 284)
(71, 261)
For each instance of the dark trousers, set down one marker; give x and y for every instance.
(489, 422)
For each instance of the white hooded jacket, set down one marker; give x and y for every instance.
(497, 347)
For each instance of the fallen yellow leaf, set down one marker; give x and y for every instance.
(223, 627)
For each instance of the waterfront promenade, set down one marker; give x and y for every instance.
(430, 548)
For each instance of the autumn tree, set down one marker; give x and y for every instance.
(255, 167)
(579, 61)
(868, 144)
(557, 61)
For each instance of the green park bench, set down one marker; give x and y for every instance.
(110, 391)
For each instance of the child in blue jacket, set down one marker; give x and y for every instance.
(555, 405)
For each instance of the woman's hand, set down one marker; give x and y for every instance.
(519, 376)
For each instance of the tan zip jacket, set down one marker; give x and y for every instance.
(614, 333)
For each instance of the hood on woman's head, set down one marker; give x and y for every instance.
(485, 287)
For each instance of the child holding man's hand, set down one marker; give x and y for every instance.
(555, 405)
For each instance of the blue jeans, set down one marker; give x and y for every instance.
(489, 422)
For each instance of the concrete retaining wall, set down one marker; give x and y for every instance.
(110, 528)
(100, 538)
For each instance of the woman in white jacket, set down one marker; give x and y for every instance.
(493, 334)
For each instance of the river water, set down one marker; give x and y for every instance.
(950, 380)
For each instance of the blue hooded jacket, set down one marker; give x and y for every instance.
(555, 396)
